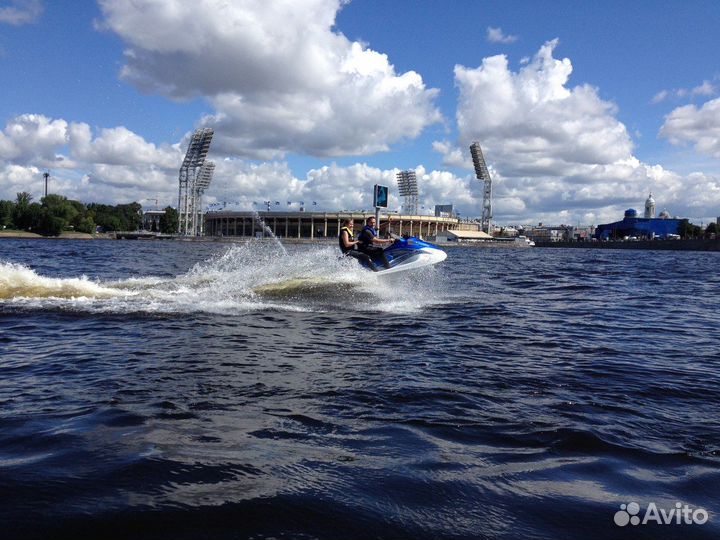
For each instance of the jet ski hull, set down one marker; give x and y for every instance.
(411, 253)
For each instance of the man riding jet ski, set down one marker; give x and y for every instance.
(402, 254)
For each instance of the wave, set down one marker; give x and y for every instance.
(243, 278)
(18, 281)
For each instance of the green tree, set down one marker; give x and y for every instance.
(7, 208)
(85, 224)
(21, 218)
(131, 215)
(687, 230)
(23, 199)
(712, 228)
(58, 214)
(26, 215)
(50, 224)
(169, 221)
(29, 218)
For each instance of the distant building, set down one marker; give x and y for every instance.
(151, 220)
(638, 228)
(543, 233)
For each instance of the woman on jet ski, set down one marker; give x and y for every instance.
(349, 246)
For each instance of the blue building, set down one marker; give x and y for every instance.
(645, 228)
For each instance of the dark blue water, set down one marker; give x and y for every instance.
(505, 394)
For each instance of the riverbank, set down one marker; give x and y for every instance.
(63, 236)
(664, 245)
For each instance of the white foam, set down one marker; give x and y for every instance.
(249, 277)
(18, 281)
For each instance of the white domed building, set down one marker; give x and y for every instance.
(650, 207)
(647, 227)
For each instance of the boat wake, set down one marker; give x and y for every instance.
(244, 278)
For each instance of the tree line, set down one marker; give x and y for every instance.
(55, 214)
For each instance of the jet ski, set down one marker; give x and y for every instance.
(410, 253)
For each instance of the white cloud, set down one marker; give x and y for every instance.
(118, 146)
(16, 178)
(33, 138)
(660, 96)
(279, 77)
(21, 12)
(333, 187)
(705, 89)
(532, 122)
(113, 165)
(496, 35)
(557, 152)
(84, 166)
(698, 126)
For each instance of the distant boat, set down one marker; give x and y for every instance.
(523, 241)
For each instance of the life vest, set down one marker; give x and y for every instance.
(350, 238)
(366, 238)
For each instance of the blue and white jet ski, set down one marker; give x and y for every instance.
(410, 253)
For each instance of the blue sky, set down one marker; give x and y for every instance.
(316, 100)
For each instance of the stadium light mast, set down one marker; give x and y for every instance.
(190, 171)
(482, 174)
(202, 182)
(408, 189)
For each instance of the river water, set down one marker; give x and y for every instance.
(206, 390)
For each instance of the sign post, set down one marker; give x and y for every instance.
(380, 200)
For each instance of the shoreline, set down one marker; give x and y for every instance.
(664, 245)
(700, 244)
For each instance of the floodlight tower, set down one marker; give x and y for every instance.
(202, 182)
(189, 170)
(482, 174)
(408, 187)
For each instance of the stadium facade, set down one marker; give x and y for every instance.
(319, 224)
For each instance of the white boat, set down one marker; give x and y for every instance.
(523, 241)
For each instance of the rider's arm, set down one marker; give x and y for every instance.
(377, 240)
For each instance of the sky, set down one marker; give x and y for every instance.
(582, 108)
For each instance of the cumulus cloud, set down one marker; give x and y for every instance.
(85, 165)
(556, 152)
(244, 183)
(114, 165)
(21, 12)
(697, 126)
(534, 119)
(496, 35)
(279, 77)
